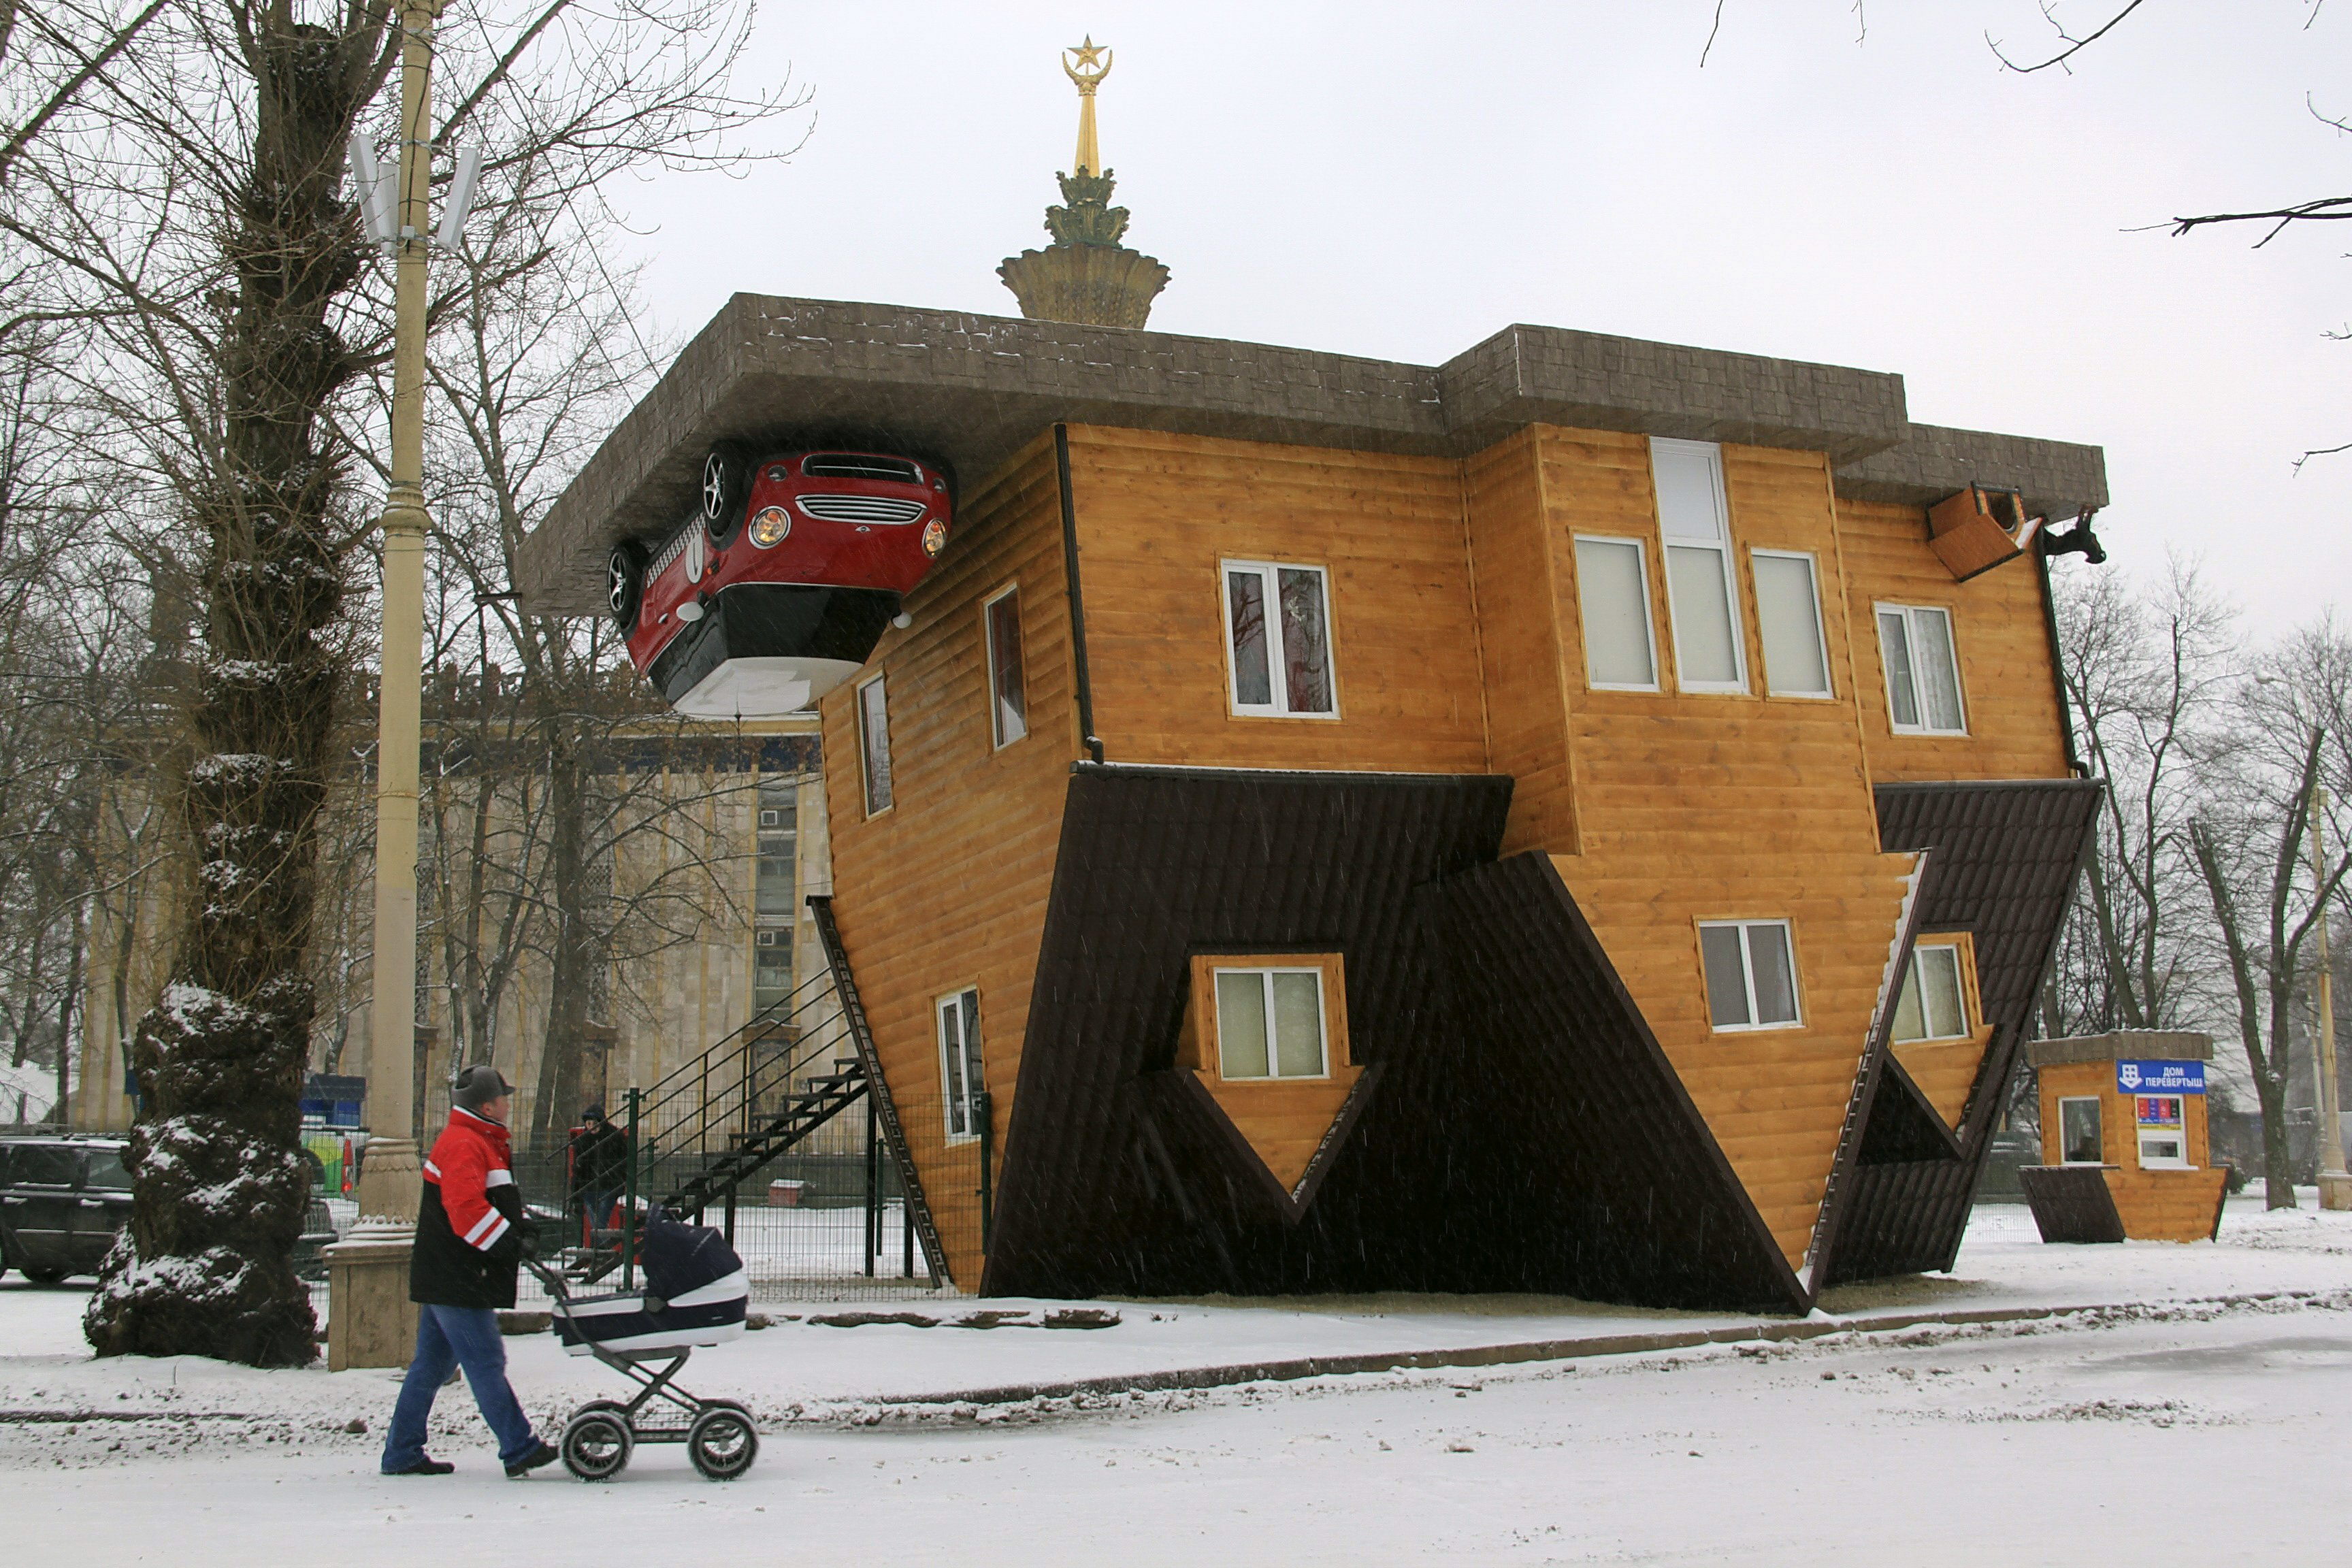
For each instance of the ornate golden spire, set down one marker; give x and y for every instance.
(1086, 274)
(1093, 65)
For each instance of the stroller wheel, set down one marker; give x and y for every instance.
(721, 1442)
(596, 1443)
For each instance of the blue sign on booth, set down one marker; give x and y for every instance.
(2161, 1078)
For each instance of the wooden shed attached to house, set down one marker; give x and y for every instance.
(1549, 821)
(2124, 1146)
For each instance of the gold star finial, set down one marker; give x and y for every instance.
(1092, 65)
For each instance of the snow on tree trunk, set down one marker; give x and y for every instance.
(219, 1185)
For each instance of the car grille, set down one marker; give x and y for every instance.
(851, 466)
(861, 508)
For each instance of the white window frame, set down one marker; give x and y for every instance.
(1721, 543)
(1649, 612)
(997, 737)
(1918, 687)
(2141, 1134)
(1265, 974)
(1278, 679)
(1820, 627)
(960, 1116)
(2097, 1106)
(1747, 976)
(1959, 990)
(865, 750)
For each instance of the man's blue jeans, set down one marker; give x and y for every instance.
(458, 1336)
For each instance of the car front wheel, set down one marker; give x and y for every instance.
(726, 488)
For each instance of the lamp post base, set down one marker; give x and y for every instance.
(2335, 1189)
(389, 1178)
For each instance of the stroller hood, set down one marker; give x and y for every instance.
(680, 1260)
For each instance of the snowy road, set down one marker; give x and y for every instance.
(2175, 1434)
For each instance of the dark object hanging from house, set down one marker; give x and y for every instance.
(2076, 540)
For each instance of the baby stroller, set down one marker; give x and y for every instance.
(695, 1295)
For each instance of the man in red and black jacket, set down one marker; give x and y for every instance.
(471, 1233)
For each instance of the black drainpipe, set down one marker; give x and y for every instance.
(1077, 597)
(2049, 624)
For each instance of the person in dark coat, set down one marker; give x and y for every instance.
(471, 1235)
(600, 1166)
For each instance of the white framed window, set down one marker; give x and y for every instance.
(961, 1082)
(2161, 1122)
(1789, 622)
(1923, 673)
(873, 745)
(1008, 691)
(1270, 1024)
(1933, 1003)
(1701, 599)
(1613, 591)
(1278, 639)
(2078, 1132)
(1751, 975)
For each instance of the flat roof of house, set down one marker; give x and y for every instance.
(970, 390)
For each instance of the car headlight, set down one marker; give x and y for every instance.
(935, 538)
(770, 526)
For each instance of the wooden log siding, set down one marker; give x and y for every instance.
(948, 888)
(1156, 513)
(1692, 807)
(2007, 691)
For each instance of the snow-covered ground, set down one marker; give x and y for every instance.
(2187, 1420)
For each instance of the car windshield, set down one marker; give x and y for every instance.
(106, 1169)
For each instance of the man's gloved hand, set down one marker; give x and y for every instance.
(527, 1240)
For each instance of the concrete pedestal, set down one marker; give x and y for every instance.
(2334, 1190)
(371, 1322)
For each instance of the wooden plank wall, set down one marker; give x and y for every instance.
(1521, 656)
(1157, 512)
(2008, 693)
(948, 887)
(1695, 807)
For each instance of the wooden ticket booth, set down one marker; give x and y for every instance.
(2124, 1139)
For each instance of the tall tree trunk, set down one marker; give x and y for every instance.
(219, 1181)
(2268, 1068)
(66, 1012)
(575, 940)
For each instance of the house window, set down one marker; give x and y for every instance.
(1789, 617)
(1270, 1024)
(1612, 588)
(2078, 1132)
(1278, 631)
(960, 1079)
(1932, 1004)
(1695, 521)
(2163, 1132)
(1923, 676)
(1008, 694)
(873, 745)
(1751, 976)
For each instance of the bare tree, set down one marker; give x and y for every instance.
(2292, 738)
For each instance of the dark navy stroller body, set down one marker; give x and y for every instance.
(696, 1295)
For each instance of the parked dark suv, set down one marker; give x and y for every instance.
(62, 1199)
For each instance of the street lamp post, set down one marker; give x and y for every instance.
(388, 1186)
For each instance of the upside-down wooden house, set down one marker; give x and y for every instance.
(1590, 817)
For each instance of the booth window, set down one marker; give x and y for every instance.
(1923, 675)
(2078, 1132)
(873, 745)
(2163, 1132)
(1752, 977)
(1695, 521)
(960, 1079)
(1933, 1003)
(1270, 1024)
(1612, 589)
(1008, 694)
(1789, 617)
(1278, 632)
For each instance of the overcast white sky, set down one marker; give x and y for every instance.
(1402, 181)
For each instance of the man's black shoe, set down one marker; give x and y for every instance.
(424, 1466)
(543, 1455)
